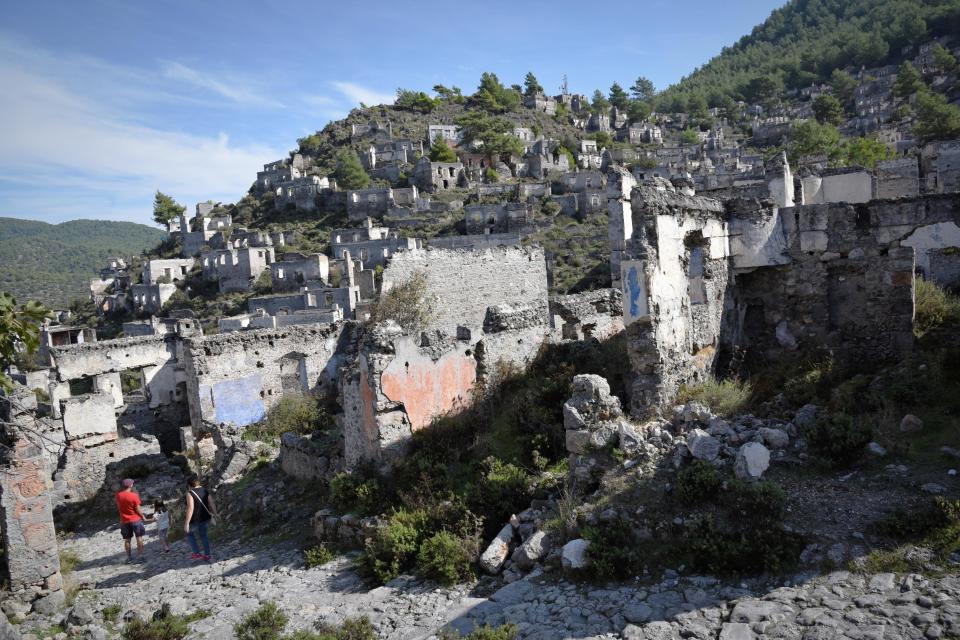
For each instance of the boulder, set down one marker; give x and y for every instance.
(530, 552)
(911, 424)
(702, 445)
(695, 412)
(875, 449)
(496, 553)
(736, 631)
(752, 460)
(7, 630)
(574, 554)
(775, 438)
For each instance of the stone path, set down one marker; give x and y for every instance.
(840, 605)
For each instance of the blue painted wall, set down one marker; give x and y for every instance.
(238, 401)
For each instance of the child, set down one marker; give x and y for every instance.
(162, 518)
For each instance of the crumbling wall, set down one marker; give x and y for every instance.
(674, 274)
(592, 314)
(235, 377)
(26, 515)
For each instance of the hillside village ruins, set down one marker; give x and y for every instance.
(713, 251)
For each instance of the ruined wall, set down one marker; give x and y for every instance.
(674, 274)
(463, 284)
(26, 515)
(592, 314)
(235, 377)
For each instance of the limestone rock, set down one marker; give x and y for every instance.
(496, 553)
(702, 445)
(911, 424)
(7, 630)
(574, 554)
(775, 438)
(536, 547)
(659, 630)
(736, 631)
(695, 412)
(875, 449)
(806, 416)
(752, 460)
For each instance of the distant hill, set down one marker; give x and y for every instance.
(54, 263)
(805, 40)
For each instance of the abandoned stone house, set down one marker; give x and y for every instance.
(449, 132)
(150, 298)
(545, 157)
(433, 176)
(504, 217)
(196, 232)
(170, 270)
(236, 269)
(541, 103)
(370, 244)
(301, 192)
(279, 171)
(293, 270)
(391, 152)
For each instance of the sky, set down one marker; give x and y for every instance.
(106, 101)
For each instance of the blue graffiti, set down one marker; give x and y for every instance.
(239, 401)
(634, 291)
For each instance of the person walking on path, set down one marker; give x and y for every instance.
(131, 519)
(162, 517)
(200, 511)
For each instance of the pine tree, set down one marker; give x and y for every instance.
(908, 80)
(619, 97)
(441, 152)
(936, 118)
(643, 89)
(349, 172)
(827, 109)
(165, 209)
(530, 85)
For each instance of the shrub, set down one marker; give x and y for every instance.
(814, 381)
(613, 552)
(839, 438)
(393, 547)
(764, 499)
(486, 632)
(724, 397)
(698, 482)
(760, 547)
(444, 558)
(502, 486)
(350, 629)
(111, 612)
(68, 562)
(294, 412)
(405, 303)
(266, 623)
(351, 493)
(933, 307)
(317, 556)
(162, 627)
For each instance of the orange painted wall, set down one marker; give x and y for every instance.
(428, 389)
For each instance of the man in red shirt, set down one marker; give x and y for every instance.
(131, 519)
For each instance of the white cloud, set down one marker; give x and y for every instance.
(60, 141)
(233, 90)
(357, 93)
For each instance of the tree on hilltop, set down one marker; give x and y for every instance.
(349, 173)
(494, 134)
(530, 85)
(643, 90)
(618, 97)
(493, 97)
(165, 208)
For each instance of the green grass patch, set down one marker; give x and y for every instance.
(723, 397)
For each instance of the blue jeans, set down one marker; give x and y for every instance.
(199, 529)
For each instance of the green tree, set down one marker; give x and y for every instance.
(643, 89)
(812, 138)
(943, 60)
(689, 136)
(165, 208)
(599, 103)
(603, 139)
(762, 89)
(494, 134)
(415, 101)
(638, 111)
(697, 107)
(936, 118)
(493, 97)
(908, 80)
(843, 85)
(828, 109)
(441, 152)
(530, 85)
(618, 97)
(449, 94)
(19, 332)
(349, 173)
(866, 152)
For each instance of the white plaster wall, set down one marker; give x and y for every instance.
(88, 415)
(845, 187)
(930, 238)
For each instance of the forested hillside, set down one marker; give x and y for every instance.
(54, 263)
(806, 40)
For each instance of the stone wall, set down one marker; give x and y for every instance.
(26, 515)
(463, 284)
(235, 377)
(593, 314)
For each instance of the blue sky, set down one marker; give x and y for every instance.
(105, 101)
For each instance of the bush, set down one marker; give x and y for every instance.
(294, 412)
(764, 499)
(762, 547)
(698, 482)
(266, 623)
(349, 629)
(405, 303)
(933, 307)
(814, 381)
(353, 494)
(444, 558)
(613, 551)
(317, 556)
(839, 438)
(163, 627)
(392, 549)
(486, 632)
(724, 397)
(111, 612)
